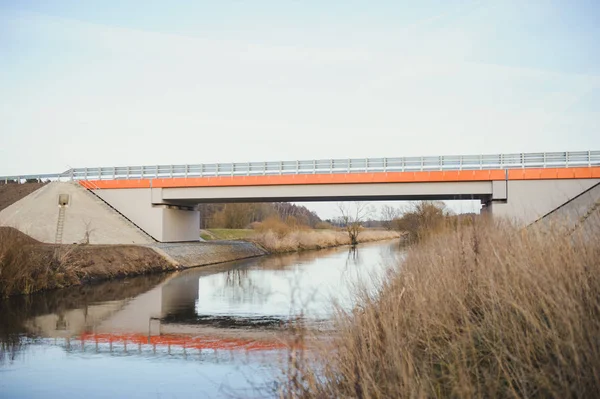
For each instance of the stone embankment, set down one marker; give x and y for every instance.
(193, 254)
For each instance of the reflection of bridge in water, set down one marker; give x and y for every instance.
(150, 322)
(170, 314)
(186, 347)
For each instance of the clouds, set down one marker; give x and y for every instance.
(97, 94)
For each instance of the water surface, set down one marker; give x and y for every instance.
(206, 332)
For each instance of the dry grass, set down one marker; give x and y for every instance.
(484, 311)
(27, 266)
(24, 269)
(280, 241)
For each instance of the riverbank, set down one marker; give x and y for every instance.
(485, 310)
(302, 240)
(28, 266)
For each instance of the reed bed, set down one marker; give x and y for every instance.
(484, 310)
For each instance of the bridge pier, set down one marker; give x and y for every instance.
(164, 221)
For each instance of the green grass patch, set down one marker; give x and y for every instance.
(226, 234)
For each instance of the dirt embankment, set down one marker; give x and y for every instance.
(11, 193)
(28, 266)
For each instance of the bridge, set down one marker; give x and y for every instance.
(162, 200)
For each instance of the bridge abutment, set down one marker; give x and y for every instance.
(165, 222)
(527, 201)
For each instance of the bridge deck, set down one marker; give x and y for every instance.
(350, 178)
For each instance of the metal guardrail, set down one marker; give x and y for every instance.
(328, 166)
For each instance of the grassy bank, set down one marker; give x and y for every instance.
(27, 266)
(486, 310)
(226, 234)
(300, 240)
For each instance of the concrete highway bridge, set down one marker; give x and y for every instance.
(160, 202)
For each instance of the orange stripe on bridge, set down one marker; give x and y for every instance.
(351, 178)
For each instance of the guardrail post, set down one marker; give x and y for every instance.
(264, 168)
(544, 160)
(385, 164)
(314, 166)
(280, 167)
(589, 158)
(522, 161)
(366, 164)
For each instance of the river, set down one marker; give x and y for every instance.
(206, 332)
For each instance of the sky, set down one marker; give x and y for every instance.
(117, 82)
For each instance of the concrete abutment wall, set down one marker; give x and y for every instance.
(529, 200)
(164, 222)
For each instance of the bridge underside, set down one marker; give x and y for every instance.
(331, 192)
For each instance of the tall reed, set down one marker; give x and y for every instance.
(483, 311)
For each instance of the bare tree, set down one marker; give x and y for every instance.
(352, 217)
(389, 214)
(88, 231)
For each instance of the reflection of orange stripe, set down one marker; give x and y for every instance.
(184, 341)
(345, 178)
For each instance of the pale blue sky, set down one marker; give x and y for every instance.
(107, 83)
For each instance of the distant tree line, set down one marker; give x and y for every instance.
(242, 215)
